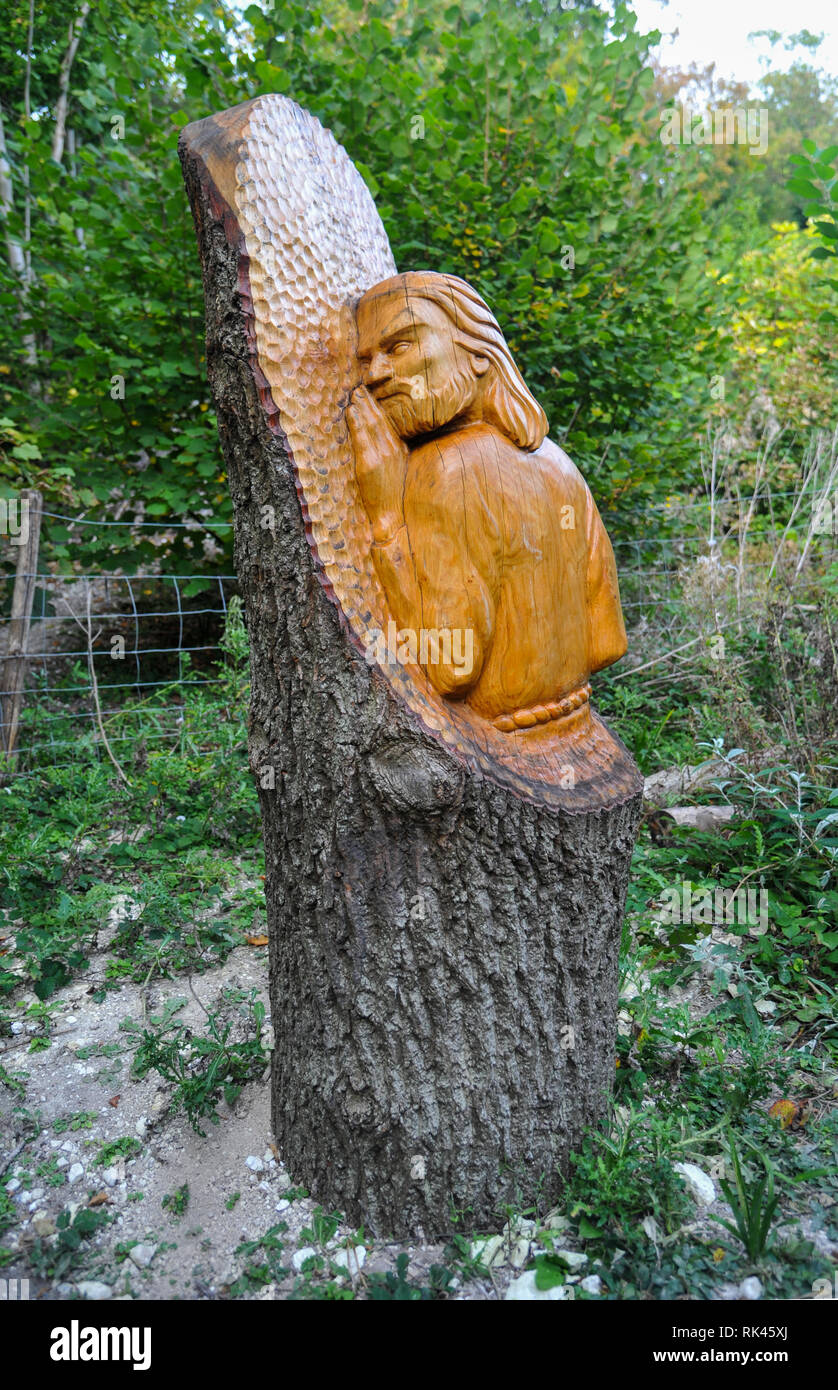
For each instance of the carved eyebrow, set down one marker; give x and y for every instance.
(398, 330)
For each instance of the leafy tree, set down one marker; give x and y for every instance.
(518, 147)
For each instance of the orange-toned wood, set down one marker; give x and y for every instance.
(483, 529)
(495, 532)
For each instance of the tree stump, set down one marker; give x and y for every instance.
(445, 897)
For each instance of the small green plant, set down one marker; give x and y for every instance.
(323, 1227)
(267, 1270)
(51, 1173)
(8, 1211)
(395, 1285)
(622, 1177)
(41, 1014)
(82, 1119)
(15, 1084)
(55, 1257)
(753, 1205)
(175, 1203)
(204, 1067)
(125, 1148)
(232, 1200)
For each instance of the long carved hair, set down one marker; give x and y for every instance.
(507, 402)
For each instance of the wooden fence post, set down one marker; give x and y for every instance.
(13, 678)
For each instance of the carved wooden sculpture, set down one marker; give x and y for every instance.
(428, 587)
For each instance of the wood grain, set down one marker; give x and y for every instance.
(310, 245)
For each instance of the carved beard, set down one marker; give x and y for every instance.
(411, 417)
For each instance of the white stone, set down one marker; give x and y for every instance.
(62, 1162)
(553, 1221)
(520, 1226)
(700, 1184)
(142, 1255)
(523, 1290)
(490, 1251)
(16, 1027)
(591, 1284)
(110, 1177)
(352, 1259)
(13, 1185)
(750, 1289)
(254, 1164)
(519, 1253)
(571, 1259)
(76, 1172)
(299, 1257)
(93, 1289)
(71, 1022)
(283, 1205)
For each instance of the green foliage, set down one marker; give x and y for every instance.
(619, 1178)
(323, 1227)
(127, 1147)
(175, 1203)
(56, 1257)
(204, 1067)
(267, 1270)
(74, 844)
(82, 1119)
(515, 146)
(753, 1205)
(814, 179)
(396, 1286)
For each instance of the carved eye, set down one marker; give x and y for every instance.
(398, 348)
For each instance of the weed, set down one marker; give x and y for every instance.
(204, 1067)
(395, 1285)
(82, 1119)
(753, 1205)
(269, 1269)
(175, 1203)
(54, 1257)
(117, 1149)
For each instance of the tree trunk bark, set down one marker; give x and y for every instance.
(444, 927)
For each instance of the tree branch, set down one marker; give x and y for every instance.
(73, 36)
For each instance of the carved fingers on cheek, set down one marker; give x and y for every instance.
(371, 431)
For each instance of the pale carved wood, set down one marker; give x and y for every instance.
(447, 850)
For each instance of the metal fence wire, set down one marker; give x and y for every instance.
(104, 650)
(145, 645)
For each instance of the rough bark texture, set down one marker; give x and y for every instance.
(443, 949)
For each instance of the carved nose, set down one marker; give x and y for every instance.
(378, 371)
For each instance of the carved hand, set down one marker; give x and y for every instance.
(380, 464)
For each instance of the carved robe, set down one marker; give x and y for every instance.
(509, 545)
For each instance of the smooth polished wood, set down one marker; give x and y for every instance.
(483, 529)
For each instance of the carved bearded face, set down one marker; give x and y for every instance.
(412, 366)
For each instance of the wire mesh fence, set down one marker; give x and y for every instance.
(111, 658)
